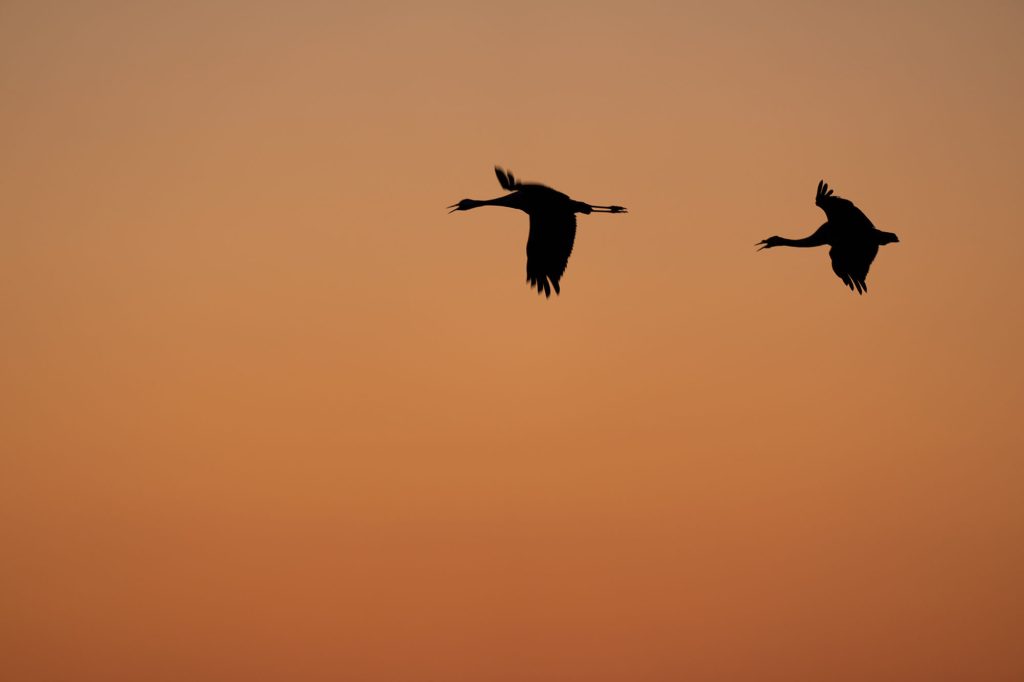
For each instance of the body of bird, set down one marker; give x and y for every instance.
(853, 238)
(552, 226)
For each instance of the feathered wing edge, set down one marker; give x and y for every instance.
(837, 208)
(548, 250)
(507, 180)
(541, 282)
(851, 281)
(853, 268)
(823, 192)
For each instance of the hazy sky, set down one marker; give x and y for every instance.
(268, 412)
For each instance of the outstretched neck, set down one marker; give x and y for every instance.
(804, 243)
(509, 201)
(819, 238)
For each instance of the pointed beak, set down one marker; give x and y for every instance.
(454, 207)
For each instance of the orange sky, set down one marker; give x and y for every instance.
(268, 412)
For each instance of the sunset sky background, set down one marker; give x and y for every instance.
(268, 412)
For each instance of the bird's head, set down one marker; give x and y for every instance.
(464, 205)
(769, 243)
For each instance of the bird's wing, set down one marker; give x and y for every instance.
(841, 212)
(548, 249)
(851, 263)
(507, 180)
(511, 183)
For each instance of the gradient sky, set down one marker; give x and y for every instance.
(268, 412)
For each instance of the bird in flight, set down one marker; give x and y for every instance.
(854, 240)
(552, 226)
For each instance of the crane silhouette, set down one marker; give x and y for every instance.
(854, 240)
(552, 226)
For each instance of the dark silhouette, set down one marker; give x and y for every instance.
(854, 240)
(552, 226)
